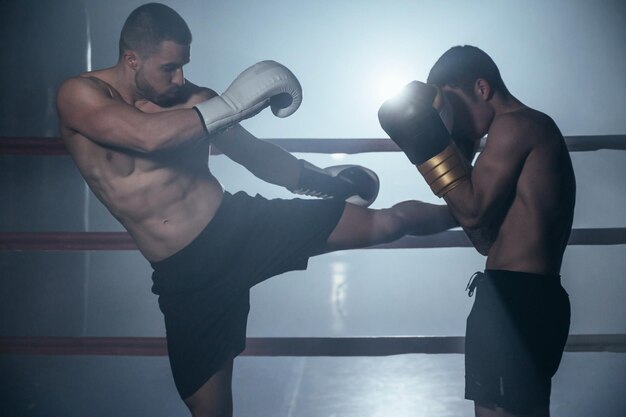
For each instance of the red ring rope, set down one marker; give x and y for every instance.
(54, 145)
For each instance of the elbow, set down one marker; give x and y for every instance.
(472, 223)
(481, 239)
(473, 220)
(484, 251)
(483, 248)
(472, 214)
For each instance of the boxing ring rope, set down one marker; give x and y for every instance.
(281, 346)
(54, 146)
(112, 241)
(284, 346)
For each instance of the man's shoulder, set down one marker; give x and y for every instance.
(86, 82)
(525, 123)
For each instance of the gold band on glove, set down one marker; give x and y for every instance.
(444, 171)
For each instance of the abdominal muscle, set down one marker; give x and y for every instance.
(163, 201)
(173, 213)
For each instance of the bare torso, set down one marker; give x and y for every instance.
(165, 198)
(532, 233)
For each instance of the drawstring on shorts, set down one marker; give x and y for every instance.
(473, 282)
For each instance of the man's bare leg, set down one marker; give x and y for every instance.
(215, 397)
(360, 227)
(484, 411)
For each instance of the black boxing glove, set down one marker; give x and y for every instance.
(352, 183)
(419, 121)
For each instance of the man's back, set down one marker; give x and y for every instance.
(534, 230)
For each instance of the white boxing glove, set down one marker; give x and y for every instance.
(266, 83)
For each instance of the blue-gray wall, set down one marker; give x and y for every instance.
(562, 57)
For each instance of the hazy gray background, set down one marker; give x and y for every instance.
(566, 58)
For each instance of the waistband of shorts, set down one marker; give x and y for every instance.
(505, 279)
(501, 278)
(503, 274)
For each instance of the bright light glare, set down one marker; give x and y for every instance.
(388, 86)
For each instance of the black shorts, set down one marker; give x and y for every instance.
(516, 332)
(204, 288)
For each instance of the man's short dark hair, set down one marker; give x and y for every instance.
(149, 25)
(461, 66)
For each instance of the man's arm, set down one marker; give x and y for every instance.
(477, 201)
(84, 105)
(352, 183)
(265, 160)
